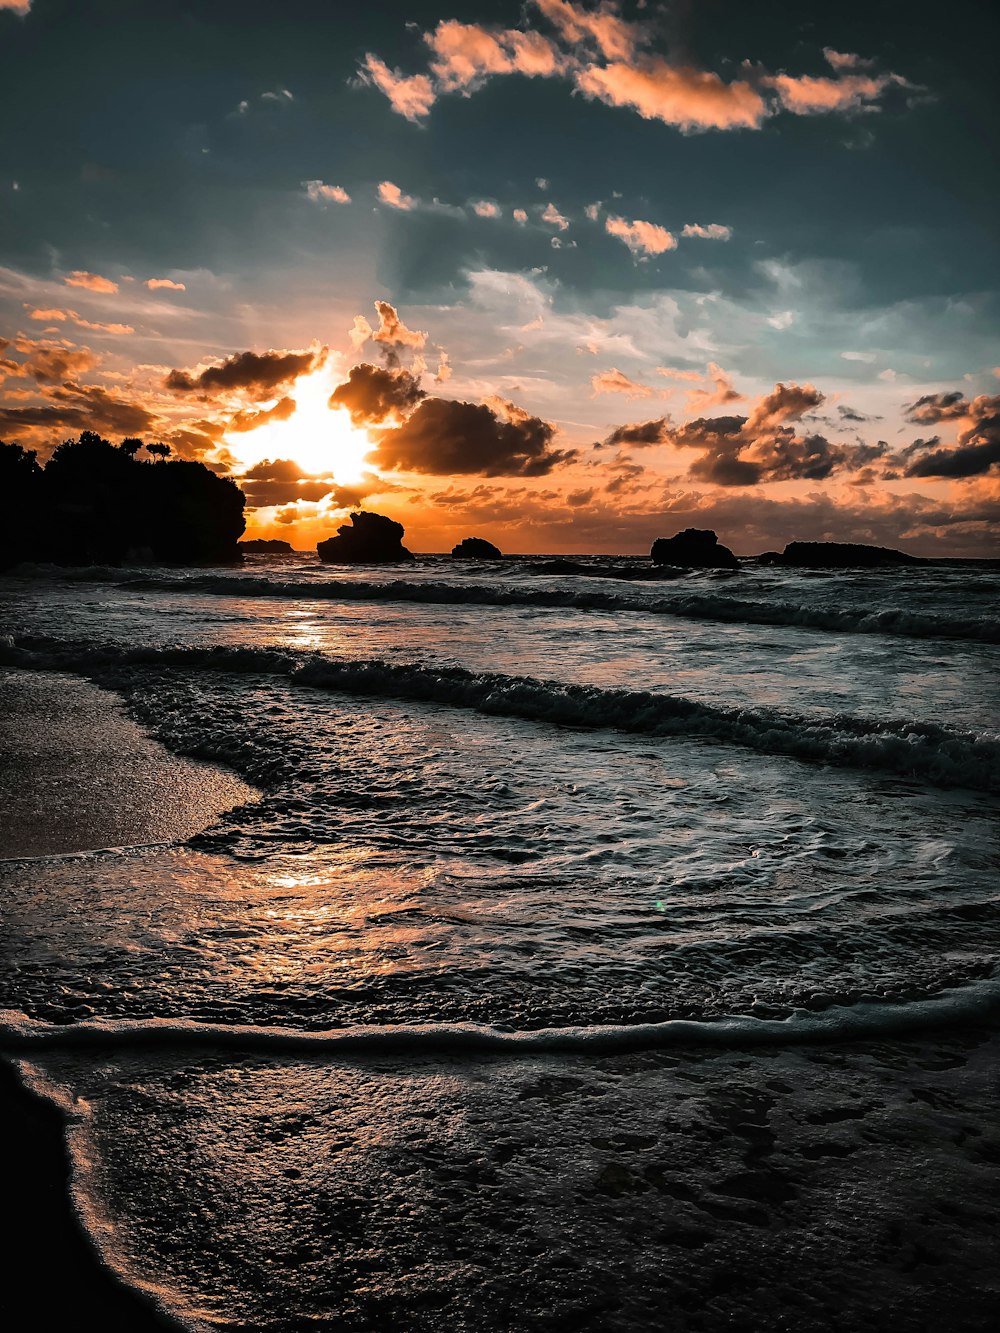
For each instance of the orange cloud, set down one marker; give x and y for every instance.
(326, 194)
(615, 38)
(167, 284)
(552, 215)
(642, 238)
(615, 381)
(808, 96)
(711, 231)
(393, 196)
(689, 99)
(483, 208)
(411, 96)
(91, 282)
(519, 216)
(721, 392)
(61, 316)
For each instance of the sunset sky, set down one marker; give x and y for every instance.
(563, 275)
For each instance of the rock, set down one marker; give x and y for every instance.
(696, 547)
(263, 546)
(368, 539)
(476, 548)
(840, 555)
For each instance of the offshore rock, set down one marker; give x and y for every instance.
(265, 546)
(838, 555)
(698, 548)
(369, 539)
(476, 548)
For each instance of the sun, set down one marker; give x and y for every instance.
(321, 439)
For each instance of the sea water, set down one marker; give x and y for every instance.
(504, 815)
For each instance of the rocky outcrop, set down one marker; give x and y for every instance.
(476, 548)
(698, 548)
(838, 555)
(369, 539)
(265, 546)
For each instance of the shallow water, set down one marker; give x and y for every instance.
(516, 801)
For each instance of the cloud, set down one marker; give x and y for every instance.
(809, 96)
(642, 238)
(257, 372)
(18, 6)
(613, 36)
(372, 393)
(608, 59)
(689, 99)
(552, 215)
(519, 216)
(786, 402)
(615, 381)
(58, 316)
(165, 284)
(281, 482)
(411, 96)
(711, 231)
(91, 282)
(764, 447)
(840, 60)
(393, 196)
(326, 194)
(721, 392)
(446, 437)
(484, 208)
(638, 434)
(935, 407)
(249, 420)
(51, 364)
(75, 407)
(978, 448)
(391, 333)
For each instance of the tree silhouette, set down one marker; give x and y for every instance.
(130, 446)
(158, 450)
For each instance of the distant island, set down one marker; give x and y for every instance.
(96, 503)
(837, 555)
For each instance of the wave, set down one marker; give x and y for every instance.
(967, 1004)
(939, 755)
(897, 622)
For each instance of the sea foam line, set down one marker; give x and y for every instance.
(939, 755)
(972, 1003)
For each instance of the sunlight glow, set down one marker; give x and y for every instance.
(322, 440)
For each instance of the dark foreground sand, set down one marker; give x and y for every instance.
(816, 1189)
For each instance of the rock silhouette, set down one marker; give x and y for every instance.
(368, 539)
(265, 546)
(96, 503)
(697, 547)
(838, 555)
(476, 548)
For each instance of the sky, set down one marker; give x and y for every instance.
(564, 275)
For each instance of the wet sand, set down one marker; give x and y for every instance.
(76, 774)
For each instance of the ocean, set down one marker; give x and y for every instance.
(553, 891)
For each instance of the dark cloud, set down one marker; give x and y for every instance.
(747, 451)
(638, 433)
(371, 393)
(281, 481)
(76, 407)
(281, 411)
(50, 364)
(935, 407)
(976, 455)
(445, 437)
(256, 372)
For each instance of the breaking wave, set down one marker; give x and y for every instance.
(966, 1004)
(895, 621)
(929, 752)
